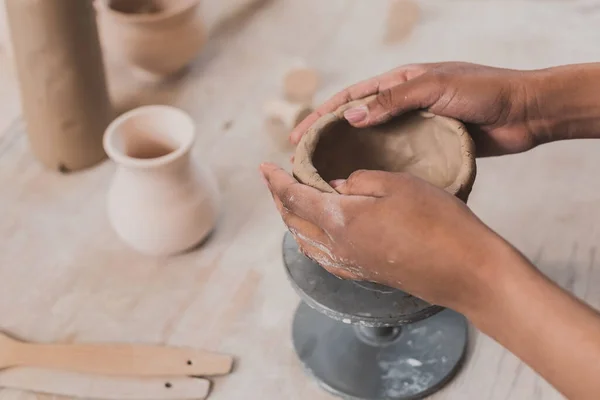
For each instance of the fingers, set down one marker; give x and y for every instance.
(366, 183)
(312, 240)
(325, 258)
(318, 208)
(355, 92)
(358, 91)
(418, 93)
(302, 229)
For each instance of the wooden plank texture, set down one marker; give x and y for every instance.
(65, 276)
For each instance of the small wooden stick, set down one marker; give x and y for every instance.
(103, 387)
(114, 359)
(289, 114)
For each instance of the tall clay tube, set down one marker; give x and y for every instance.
(62, 82)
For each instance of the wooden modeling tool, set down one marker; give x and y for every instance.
(114, 359)
(286, 113)
(71, 384)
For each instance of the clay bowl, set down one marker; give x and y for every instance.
(434, 148)
(157, 38)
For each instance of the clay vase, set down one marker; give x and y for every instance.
(161, 201)
(157, 38)
(431, 147)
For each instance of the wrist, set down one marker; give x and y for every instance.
(504, 269)
(563, 102)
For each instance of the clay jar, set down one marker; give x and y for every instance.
(161, 201)
(434, 148)
(158, 38)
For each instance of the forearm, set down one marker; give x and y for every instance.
(543, 325)
(564, 102)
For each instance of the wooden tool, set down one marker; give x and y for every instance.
(114, 359)
(288, 114)
(71, 384)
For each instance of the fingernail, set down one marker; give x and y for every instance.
(267, 165)
(356, 114)
(336, 182)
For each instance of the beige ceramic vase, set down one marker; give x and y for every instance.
(157, 38)
(434, 148)
(161, 201)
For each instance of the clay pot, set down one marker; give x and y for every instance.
(161, 201)
(434, 148)
(158, 38)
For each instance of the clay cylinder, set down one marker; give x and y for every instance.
(62, 81)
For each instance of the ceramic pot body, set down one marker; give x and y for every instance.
(434, 148)
(161, 201)
(158, 43)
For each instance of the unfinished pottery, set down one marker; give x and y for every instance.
(434, 148)
(161, 201)
(62, 83)
(158, 38)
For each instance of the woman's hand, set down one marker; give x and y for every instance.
(493, 102)
(394, 229)
(506, 111)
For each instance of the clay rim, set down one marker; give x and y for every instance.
(145, 18)
(189, 137)
(461, 186)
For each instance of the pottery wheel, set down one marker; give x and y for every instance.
(363, 341)
(410, 362)
(349, 301)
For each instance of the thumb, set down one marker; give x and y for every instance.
(366, 183)
(417, 93)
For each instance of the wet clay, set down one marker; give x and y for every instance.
(434, 148)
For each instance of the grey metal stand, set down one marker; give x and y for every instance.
(363, 341)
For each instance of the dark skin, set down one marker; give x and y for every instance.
(441, 251)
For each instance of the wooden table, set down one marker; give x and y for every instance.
(64, 275)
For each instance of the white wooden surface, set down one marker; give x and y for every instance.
(64, 276)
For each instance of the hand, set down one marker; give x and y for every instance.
(393, 229)
(495, 103)
(398, 230)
